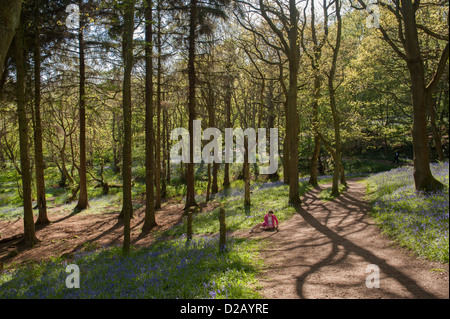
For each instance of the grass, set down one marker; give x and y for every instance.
(168, 269)
(238, 217)
(326, 195)
(416, 220)
(172, 269)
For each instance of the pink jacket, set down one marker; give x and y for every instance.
(274, 219)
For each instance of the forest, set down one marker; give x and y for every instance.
(95, 95)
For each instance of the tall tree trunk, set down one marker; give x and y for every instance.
(246, 174)
(271, 124)
(164, 155)
(190, 194)
(435, 129)
(315, 60)
(29, 237)
(286, 157)
(334, 111)
(83, 197)
(337, 140)
(149, 219)
(226, 176)
(317, 143)
(39, 158)
(168, 173)
(423, 178)
(210, 101)
(9, 20)
(127, 206)
(293, 120)
(158, 118)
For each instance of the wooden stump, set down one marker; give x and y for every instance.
(223, 231)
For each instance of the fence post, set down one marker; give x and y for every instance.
(223, 230)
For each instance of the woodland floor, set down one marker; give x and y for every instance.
(321, 252)
(69, 233)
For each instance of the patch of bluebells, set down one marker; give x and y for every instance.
(417, 220)
(170, 269)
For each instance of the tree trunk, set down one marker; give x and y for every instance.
(158, 119)
(164, 155)
(39, 158)
(190, 194)
(226, 176)
(423, 178)
(435, 129)
(286, 157)
(246, 174)
(168, 173)
(210, 102)
(83, 197)
(208, 187)
(271, 124)
(127, 206)
(222, 230)
(149, 219)
(116, 155)
(334, 111)
(29, 237)
(9, 20)
(315, 156)
(337, 140)
(314, 162)
(293, 128)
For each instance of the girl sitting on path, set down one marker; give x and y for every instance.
(269, 222)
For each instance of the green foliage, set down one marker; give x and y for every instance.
(238, 217)
(326, 193)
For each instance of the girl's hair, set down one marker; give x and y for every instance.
(270, 211)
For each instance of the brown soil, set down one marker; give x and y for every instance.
(323, 252)
(70, 232)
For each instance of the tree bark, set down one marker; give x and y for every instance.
(158, 119)
(334, 111)
(149, 219)
(317, 144)
(39, 158)
(226, 176)
(127, 206)
(246, 174)
(408, 36)
(190, 194)
(423, 178)
(222, 230)
(9, 21)
(293, 119)
(208, 187)
(83, 197)
(29, 237)
(435, 129)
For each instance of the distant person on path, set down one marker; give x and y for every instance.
(396, 158)
(270, 222)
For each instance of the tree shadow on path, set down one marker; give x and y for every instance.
(350, 247)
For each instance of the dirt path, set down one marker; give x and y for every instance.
(323, 252)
